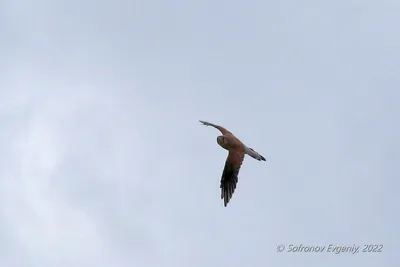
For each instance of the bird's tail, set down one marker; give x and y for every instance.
(252, 153)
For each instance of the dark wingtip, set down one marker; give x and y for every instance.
(263, 159)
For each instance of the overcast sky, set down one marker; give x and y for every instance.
(104, 163)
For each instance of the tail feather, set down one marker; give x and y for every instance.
(252, 153)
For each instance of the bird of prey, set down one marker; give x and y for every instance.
(237, 151)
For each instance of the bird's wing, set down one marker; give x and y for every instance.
(229, 177)
(220, 128)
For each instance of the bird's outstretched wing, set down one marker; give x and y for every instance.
(230, 174)
(220, 128)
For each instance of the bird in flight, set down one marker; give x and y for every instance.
(237, 151)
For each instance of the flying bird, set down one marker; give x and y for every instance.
(237, 151)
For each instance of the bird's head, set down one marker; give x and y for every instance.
(221, 140)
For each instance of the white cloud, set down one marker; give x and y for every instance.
(103, 161)
(48, 129)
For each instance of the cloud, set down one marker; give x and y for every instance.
(104, 162)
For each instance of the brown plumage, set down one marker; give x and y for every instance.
(237, 151)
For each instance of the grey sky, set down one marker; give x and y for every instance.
(104, 162)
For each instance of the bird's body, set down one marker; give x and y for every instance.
(237, 151)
